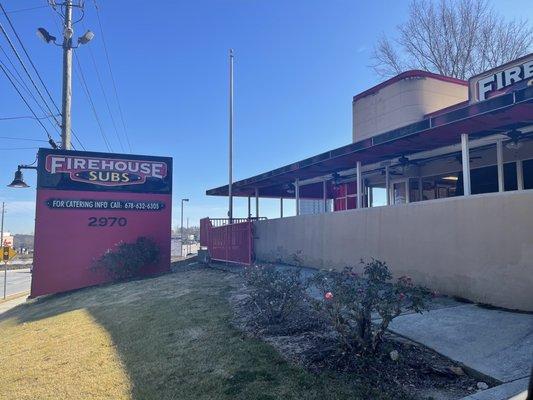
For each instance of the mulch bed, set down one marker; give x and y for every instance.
(419, 372)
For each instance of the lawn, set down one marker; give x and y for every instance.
(168, 337)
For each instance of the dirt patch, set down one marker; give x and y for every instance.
(417, 371)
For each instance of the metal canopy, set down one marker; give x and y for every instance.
(498, 114)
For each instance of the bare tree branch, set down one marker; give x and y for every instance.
(457, 38)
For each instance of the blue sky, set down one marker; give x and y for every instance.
(298, 64)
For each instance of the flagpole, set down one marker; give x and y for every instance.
(230, 191)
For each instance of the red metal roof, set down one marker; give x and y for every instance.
(415, 73)
(502, 113)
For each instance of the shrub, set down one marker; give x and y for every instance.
(127, 260)
(276, 294)
(351, 301)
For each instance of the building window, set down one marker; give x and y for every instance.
(440, 186)
(509, 177)
(527, 172)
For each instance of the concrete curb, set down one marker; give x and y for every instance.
(14, 296)
(515, 390)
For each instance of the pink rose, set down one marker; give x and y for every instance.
(328, 296)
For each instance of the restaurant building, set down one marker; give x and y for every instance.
(439, 172)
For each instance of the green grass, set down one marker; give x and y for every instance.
(164, 338)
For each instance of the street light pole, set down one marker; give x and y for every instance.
(2, 225)
(67, 78)
(181, 229)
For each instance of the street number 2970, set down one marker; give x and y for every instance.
(107, 221)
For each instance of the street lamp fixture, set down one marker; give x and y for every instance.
(45, 36)
(48, 38)
(86, 38)
(18, 181)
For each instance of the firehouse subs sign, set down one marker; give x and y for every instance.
(500, 80)
(89, 202)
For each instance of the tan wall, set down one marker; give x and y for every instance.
(479, 248)
(402, 103)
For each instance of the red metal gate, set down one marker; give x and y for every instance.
(228, 242)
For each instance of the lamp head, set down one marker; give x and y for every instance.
(86, 38)
(45, 35)
(18, 181)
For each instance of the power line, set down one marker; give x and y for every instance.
(112, 75)
(29, 76)
(21, 82)
(18, 148)
(105, 98)
(89, 97)
(23, 99)
(34, 68)
(22, 117)
(24, 67)
(25, 9)
(24, 139)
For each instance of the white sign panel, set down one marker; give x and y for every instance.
(502, 79)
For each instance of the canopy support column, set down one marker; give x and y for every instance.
(387, 184)
(325, 195)
(257, 203)
(359, 186)
(465, 153)
(519, 175)
(281, 207)
(249, 207)
(297, 195)
(499, 162)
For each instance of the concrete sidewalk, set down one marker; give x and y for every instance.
(13, 301)
(496, 343)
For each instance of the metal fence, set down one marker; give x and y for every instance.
(228, 242)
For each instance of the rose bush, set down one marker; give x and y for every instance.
(350, 301)
(275, 294)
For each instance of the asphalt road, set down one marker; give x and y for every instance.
(18, 280)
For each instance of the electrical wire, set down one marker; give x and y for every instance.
(112, 75)
(25, 9)
(18, 148)
(105, 98)
(23, 99)
(29, 58)
(25, 69)
(34, 68)
(25, 87)
(89, 98)
(23, 139)
(23, 117)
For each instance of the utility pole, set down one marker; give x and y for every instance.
(68, 33)
(67, 77)
(230, 193)
(2, 247)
